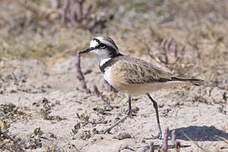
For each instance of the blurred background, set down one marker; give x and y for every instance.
(49, 29)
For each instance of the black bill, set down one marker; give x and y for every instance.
(86, 51)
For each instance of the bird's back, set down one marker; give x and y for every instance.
(136, 71)
(135, 76)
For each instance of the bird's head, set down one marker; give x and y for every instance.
(102, 47)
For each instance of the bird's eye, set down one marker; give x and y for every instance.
(102, 46)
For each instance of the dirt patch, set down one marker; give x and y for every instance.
(63, 117)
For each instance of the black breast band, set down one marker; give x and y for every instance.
(108, 63)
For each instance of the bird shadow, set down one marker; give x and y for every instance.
(200, 133)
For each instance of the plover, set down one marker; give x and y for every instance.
(132, 75)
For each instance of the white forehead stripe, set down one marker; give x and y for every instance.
(109, 44)
(103, 40)
(93, 43)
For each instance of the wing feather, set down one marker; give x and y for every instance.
(130, 70)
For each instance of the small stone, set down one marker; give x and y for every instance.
(2, 126)
(122, 135)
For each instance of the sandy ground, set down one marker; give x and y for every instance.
(52, 112)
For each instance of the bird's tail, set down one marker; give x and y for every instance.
(196, 82)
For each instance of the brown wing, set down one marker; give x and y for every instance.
(135, 71)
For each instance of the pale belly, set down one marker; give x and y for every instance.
(108, 76)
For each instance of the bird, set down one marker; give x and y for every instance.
(132, 75)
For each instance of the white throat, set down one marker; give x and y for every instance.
(103, 61)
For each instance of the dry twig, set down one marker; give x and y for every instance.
(168, 46)
(165, 141)
(80, 75)
(74, 12)
(165, 146)
(83, 82)
(109, 87)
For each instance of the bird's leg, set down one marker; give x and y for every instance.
(157, 117)
(125, 117)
